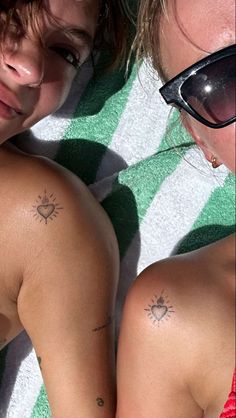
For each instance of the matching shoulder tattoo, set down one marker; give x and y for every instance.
(46, 207)
(159, 309)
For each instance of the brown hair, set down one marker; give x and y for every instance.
(147, 43)
(14, 21)
(112, 28)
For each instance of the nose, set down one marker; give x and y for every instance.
(24, 63)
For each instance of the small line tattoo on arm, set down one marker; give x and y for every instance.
(100, 402)
(107, 324)
(159, 309)
(46, 208)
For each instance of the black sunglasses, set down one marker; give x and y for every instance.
(206, 90)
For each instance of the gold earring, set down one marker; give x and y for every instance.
(214, 162)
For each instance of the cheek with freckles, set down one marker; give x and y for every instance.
(215, 24)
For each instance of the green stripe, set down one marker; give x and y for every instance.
(94, 123)
(217, 219)
(41, 408)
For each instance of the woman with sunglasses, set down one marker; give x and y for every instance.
(58, 252)
(176, 354)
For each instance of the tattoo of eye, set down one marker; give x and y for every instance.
(107, 324)
(39, 362)
(159, 309)
(100, 402)
(46, 208)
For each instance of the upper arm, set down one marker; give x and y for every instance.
(68, 290)
(152, 364)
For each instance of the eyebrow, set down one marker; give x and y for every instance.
(80, 33)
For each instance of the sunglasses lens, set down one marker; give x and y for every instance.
(211, 90)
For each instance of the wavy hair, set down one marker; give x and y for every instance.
(111, 33)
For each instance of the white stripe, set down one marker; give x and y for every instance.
(141, 125)
(23, 373)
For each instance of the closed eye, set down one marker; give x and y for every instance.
(72, 57)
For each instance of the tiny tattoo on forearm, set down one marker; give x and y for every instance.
(159, 309)
(46, 208)
(39, 362)
(107, 324)
(100, 402)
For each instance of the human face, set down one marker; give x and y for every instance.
(192, 31)
(34, 79)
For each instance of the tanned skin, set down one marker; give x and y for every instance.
(178, 336)
(58, 276)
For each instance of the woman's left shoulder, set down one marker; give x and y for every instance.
(186, 288)
(52, 203)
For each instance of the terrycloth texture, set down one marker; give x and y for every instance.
(160, 193)
(230, 406)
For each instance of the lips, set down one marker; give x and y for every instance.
(9, 104)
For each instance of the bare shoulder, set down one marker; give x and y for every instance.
(179, 311)
(160, 303)
(190, 282)
(172, 341)
(28, 176)
(45, 204)
(189, 300)
(157, 341)
(165, 290)
(34, 182)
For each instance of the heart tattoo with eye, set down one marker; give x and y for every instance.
(46, 208)
(160, 309)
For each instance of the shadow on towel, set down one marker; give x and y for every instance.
(81, 156)
(20, 347)
(203, 236)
